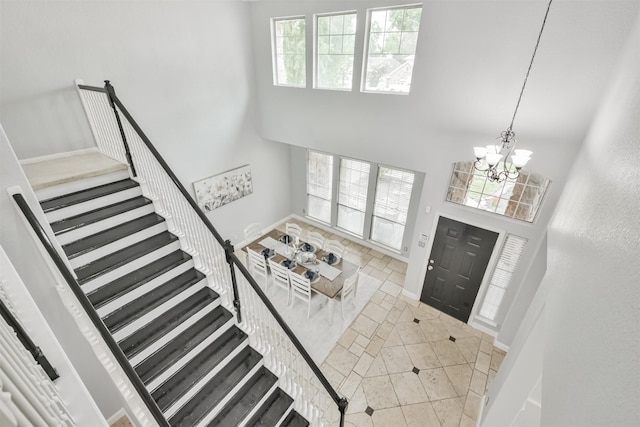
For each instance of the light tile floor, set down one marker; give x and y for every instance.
(403, 363)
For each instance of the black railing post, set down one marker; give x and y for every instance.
(342, 407)
(228, 250)
(110, 94)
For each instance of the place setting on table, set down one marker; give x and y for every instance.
(325, 270)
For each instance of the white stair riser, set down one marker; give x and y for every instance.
(258, 405)
(285, 415)
(171, 335)
(147, 287)
(195, 388)
(96, 227)
(105, 250)
(179, 364)
(129, 267)
(97, 203)
(79, 185)
(157, 312)
(215, 411)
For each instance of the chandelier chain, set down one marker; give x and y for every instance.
(530, 65)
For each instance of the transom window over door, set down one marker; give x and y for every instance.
(319, 185)
(335, 45)
(391, 49)
(391, 206)
(289, 52)
(352, 195)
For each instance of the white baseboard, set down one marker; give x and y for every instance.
(58, 155)
(410, 295)
(501, 346)
(115, 417)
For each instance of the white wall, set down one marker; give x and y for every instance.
(28, 261)
(470, 63)
(183, 69)
(590, 294)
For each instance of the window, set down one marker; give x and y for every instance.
(391, 206)
(319, 185)
(391, 48)
(289, 54)
(518, 198)
(352, 195)
(509, 257)
(335, 44)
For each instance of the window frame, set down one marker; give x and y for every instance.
(274, 50)
(409, 225)
(331, 187)
(316, 48)
(367, 40)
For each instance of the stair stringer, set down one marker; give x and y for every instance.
(136, 406)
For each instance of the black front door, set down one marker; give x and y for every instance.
(458, 261)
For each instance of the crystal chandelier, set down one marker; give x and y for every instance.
(488, 159)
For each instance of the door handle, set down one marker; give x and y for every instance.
(430, 261)
(430, 267)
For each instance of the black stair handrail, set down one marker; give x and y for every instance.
(231, 257)
(90, 311)
(28, 343)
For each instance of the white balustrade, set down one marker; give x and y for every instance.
(265, 334)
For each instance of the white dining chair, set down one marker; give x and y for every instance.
(316, 239)
(334, 247)
(301, 289)
(293, 230)
(252, 232)
(280, 277)
(258, 266)
(349, 289)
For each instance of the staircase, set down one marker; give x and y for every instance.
(186, 348)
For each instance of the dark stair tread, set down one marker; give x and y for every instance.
(217, 389)
(153, 331)
(180, 382)
(112, 290)
(166, 356)
(98, 240)
(294, 419)
(77, 221)
(123, 256)
(137, 308)
(85, 195)
(247, 398)
(271, 410)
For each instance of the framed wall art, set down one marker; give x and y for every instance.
(218, 190)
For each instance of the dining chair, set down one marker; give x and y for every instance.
(252, 232)
(334, 247)
(280, 276)
(349, 289)
(293, 230)
(316, 239)
(258, 266)
(301, 289)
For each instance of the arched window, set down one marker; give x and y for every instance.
(518, 198)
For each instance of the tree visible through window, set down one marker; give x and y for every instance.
(391, 206)
(289, 52)
(336, 36)
(319, 185)
(518, 198)
(393, 35)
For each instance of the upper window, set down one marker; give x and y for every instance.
(352, 195)
(335, 44)
(319, 185)
(289, 54)
(391, 48)
(518, 198)
(391, 206)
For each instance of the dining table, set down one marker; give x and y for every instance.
(332, 277)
